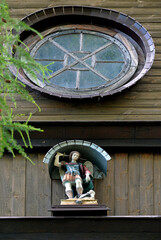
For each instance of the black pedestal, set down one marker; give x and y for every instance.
(79, 210)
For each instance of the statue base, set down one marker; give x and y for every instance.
(78, 201)
(79, 210)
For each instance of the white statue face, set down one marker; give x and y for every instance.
(75, 156)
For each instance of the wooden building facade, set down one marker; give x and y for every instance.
(127, 125)
(132, 185)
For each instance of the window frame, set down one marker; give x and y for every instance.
(98, 17)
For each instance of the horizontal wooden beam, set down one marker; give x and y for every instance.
(154, 143)
(107, 134)
(123, 227)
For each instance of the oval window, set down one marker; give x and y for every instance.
(81, 60)
(89, 51)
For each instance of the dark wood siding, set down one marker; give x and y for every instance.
(132, 185)
(25, 189)
(87, 228)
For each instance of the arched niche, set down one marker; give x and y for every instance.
(89, 151)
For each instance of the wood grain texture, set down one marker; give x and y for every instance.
(18, 186)
(146, 184)
(32, 187)
(131, 187)
(99, 190)
(157, 184)
(134, 184)
(38, 187)
(44, 187)
(121, 184)
(58, 192)
(140, 102)
(110, 4)
(82, 118)
(22, 12)
(6, 185)
(110, 183)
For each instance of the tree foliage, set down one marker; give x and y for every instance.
(10, 43)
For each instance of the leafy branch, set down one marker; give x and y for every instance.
(11, 43)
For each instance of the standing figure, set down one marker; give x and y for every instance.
(75, 174)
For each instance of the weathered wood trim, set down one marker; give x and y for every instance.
(81, 227)
(112, 134)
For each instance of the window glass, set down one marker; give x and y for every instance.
(49, 51)
(81, 60)
(110, 70)
(71, 42)
(112, 53)
(53, 66)
(65, 80)
(89, 79)
(91, 42)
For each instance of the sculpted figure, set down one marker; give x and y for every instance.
(74, 175)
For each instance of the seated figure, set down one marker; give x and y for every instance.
(75, 176)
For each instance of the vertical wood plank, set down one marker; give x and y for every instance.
(99, 189)
(58, 192)
(146, 184)
(111, 185)
(104, 188)
(18, 186)
(44, 187)
(5, 185)
(157, 184)
(38, 188)
(121, 184)
(32, 186)
(134, 184)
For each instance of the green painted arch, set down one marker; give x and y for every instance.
(89, 151)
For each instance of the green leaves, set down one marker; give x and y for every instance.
(10, 86)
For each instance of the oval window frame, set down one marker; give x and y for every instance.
(98, 17)
(130, 69)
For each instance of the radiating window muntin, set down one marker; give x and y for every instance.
(81, 60)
